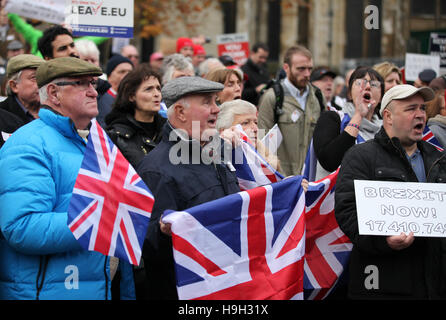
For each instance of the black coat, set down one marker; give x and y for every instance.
(176, 187)
(11, 105)
(417, 272)
(8, 124)
(130, 137)
(256, 75)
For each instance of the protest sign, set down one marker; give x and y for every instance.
(235, 45)
(105, 18)
(415, 63)
(52, 11)
(437, 47)
(389, 208)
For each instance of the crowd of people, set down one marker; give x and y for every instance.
(369, 122)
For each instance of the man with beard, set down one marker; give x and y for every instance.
(299, 112)
(23, 94)
(57, 42)
(405, 266)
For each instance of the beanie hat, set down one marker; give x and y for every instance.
(184, 42)
(199, 50)
(114, 62)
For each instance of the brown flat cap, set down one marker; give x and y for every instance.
(22, 61)
(65, 67)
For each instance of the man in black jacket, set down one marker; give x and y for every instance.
(182, 171)
(404, 266)
(256, 73)
(23, 94)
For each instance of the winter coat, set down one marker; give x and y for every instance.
(130, 137)
(176, 187)
(438, 128)
(256, 75)
(11, 105)
(417, 272)
(39, 256)
(8, 124)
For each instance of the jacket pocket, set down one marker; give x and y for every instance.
(391, 174)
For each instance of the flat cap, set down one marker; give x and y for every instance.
(177, 88)
(404, 91)
(22, 61)
(14, 45)
(65, 67)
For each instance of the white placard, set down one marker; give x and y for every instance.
(389, 208)
(52, 11)
(415, 63)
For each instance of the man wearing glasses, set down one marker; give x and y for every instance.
(39, 256)
(299, 113)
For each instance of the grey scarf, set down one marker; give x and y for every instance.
(368, 128)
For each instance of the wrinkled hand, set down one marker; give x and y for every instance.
(232, 136)
(400, 242)
(304, 185)
(166, 228)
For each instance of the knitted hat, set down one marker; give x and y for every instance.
(115, 61)
(198, 49)
(184, 42)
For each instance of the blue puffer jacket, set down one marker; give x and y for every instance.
(39, 256)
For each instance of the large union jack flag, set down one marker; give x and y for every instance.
(251, 168)
(248, 245)
(327, 248)
(110, 208)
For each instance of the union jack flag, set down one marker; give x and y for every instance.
(110, 208)
(327, 248)
(252, 169)
(429, 137)
(248, 245)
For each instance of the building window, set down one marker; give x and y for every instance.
(423, 8)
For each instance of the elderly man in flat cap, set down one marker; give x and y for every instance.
(406, 265)
(21, 87)
(39, 256)
(182, 172)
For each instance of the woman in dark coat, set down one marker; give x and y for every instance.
(134, 124)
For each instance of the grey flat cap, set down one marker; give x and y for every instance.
(177, 88)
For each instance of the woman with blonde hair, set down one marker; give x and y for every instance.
(231, 79)
(391, 74)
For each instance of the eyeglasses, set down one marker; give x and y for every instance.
(83, 84)
(363, 83)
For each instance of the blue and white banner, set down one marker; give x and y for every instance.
(104, 18)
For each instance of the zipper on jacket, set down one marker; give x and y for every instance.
(106, 278)
(43, 263)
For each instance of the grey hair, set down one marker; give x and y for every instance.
(42, 91)
(183, 101)
(229, 109)
(174, 62)
(15, 77)
(87, 47)
(204, 67)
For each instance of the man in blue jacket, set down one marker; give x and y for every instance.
(39, 256)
